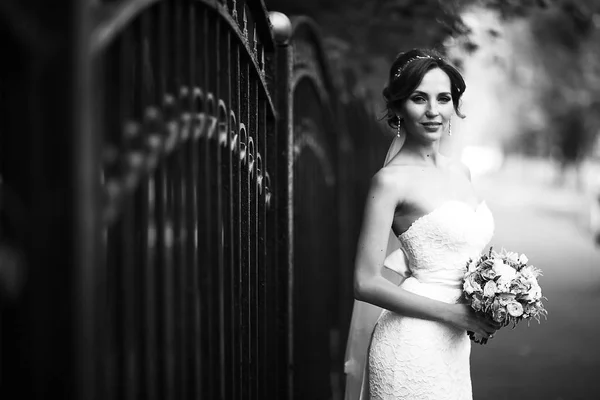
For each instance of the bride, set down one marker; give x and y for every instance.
(419, 347)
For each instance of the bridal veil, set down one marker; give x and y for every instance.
(364, 315)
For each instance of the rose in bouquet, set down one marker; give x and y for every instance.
(504, 288)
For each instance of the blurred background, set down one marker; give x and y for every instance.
(182, 182)
(531, 139)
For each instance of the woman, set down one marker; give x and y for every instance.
(419, 348)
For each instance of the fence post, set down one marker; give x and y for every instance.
(48, 167)
(282, 30)
(86, 194)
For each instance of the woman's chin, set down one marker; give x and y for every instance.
(433, 135)
(429, 135)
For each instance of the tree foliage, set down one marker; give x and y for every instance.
(567, 38)
(364, 36)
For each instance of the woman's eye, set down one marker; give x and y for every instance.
(445, 99)
(418, 99)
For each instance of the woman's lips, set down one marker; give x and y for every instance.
(431, 126)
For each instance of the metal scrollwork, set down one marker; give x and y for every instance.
(199, 118)
(170, 112)
(211, 125)
(133, 161)
(245, 23)
(233, 132)
(267, 190)
(259, 173)
(243, 138)
(154, 141)
(234, 12)
(251, 156)
(254, 40)
(186, 116)
(222, 124)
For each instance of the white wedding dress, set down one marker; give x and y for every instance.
(390, 356)
(412, 358)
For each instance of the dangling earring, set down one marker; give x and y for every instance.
(450, 127)
(399, 126)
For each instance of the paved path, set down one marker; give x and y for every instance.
(560, 358)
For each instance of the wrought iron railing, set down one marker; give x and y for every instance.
(181, 190)
(191, 163)
(338, 145)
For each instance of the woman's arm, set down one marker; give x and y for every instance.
(371, 287)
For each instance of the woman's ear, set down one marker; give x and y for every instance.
(398, 111)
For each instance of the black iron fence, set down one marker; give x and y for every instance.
(181, 190)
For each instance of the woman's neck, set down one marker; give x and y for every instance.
(427, 153)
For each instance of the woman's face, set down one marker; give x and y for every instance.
(427, 111)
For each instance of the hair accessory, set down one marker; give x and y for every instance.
(397, 74)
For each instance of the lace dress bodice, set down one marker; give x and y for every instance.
(438, 245)
(413, 358)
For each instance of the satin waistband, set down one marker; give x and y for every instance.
(435, 290)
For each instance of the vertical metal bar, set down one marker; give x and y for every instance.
(171, 186)
(149, 228)
(185, 65)
(175, 199)
(113, 367)
(128, 278)
(254, 234)
(263, 283)
(101, 312)
(190, 271)
(108, 366)
(117, 375)
(236, 187)
(207, 250)
(203, 249)
(213, 206)
(274, 367)
(193, 288)
(227, 341)
(149, 235)
(165, 266)
(284, 192)
(177, 46)
(87, 227)
(155, 87)
(245, 233)
(217, 195)
(165, 223)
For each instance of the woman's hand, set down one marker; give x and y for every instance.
(464, 317)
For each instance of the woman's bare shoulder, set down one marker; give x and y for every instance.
(392, 179)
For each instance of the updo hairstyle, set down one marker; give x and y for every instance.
(407, 72)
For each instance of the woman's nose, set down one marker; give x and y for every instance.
(432, 109)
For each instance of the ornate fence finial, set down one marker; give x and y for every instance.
(234, 12)
(254, 40)
(282, 27)
(245, 24)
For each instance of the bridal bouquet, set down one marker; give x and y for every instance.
(504, 288)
